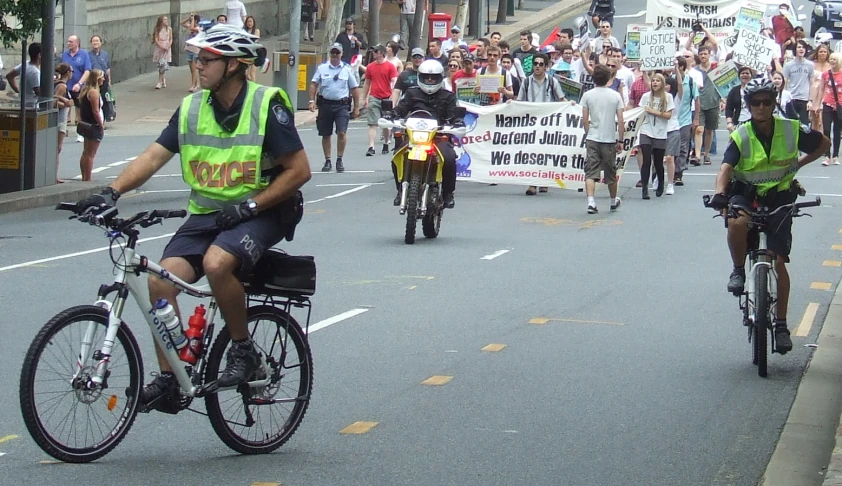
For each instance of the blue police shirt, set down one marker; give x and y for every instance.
(335, 82)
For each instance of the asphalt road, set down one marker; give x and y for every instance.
(636, 369)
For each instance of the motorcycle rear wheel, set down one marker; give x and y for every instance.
(412, 204)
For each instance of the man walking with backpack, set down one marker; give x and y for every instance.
(504, 91)
(540, 88)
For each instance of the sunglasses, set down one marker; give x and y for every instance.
(204, 61)
(765, 102)
(453, 66)
(418, 56)
(538, 64)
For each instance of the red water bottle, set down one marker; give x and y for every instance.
(195, 331)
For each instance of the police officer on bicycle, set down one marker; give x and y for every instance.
(244, 162)
(759, 166)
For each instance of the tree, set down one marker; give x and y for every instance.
(27, 20)
(415, 29)
(462, 15)
(333, 24)
(501, 12)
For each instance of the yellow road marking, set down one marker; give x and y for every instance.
(544, 320)
(8, 438)
(832, 263)
(493, 348)
(437, 380)
(803, 329)
(820, 285)
(836, 247)
(359, 428)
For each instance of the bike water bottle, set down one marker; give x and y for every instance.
(195, 332)
(166, 314)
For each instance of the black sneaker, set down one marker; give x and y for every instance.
(327, 167)
(592, 209)
(161, 394)
(449, 202)
(737, 282)
(243, 361)
(385, 148)
(659, 191)
(616, 204)
(645, 192)
(783, 344)
(370, 152)
(397, 201)
(340, 167)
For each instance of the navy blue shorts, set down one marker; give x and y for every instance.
(247, 241)
(330, 115)
(779, 237)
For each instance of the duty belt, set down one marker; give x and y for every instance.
(343, 101)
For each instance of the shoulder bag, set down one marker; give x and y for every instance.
(838, 107)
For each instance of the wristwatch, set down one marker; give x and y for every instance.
(114, 194)
(252, 206)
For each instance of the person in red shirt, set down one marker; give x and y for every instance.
(781, 26)
(380, 77)
(468, 69)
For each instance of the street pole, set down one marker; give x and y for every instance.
(474, 18)
(294, 47)
(22, 137)
(48, 34)
(374, 25)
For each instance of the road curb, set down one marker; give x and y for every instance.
(811, 437)
(70, 191)
(549, 17)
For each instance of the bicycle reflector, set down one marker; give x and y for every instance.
(112, 402)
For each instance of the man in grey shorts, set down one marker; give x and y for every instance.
(602, 115)
(709, 99)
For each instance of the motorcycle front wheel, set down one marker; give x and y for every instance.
(431, 224)
(412, 203)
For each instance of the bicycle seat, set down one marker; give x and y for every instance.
(280, 274)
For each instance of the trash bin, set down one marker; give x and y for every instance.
(309, 58)
(41, 139)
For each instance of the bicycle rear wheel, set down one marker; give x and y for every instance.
(761, 318)
(280, 339)
(98, 417)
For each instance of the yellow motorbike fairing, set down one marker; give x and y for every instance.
(419, 152)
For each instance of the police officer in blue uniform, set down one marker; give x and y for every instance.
(332, 90)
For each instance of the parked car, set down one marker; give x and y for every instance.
(827, 14)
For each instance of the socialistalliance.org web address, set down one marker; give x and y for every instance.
(538, 174)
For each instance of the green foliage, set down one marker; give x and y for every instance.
(27, 20)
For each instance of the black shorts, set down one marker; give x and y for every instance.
(779, 237)
(247, 241)
(330, 115)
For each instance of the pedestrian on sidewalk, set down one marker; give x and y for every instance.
(308, 19)
(380, 76)
(235, 13)
(79, 60)
(250, 26)
(91, 122)
(64, 102)
(102, 61)
(602, 117)
(351, 41)
(407, 19)
(31, 73)
(162, 56)
(332, 90)
(191, 23)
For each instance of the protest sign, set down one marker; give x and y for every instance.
(718, 16)
(725, 77)
(572, 89)
(531, 144)
(657, 49)
(753, 50)
(465, 90)
(633, 40)
(750, 17)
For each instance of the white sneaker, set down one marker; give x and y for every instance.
(826, 161)
(80, 139)
(836, 161)
(670, 190)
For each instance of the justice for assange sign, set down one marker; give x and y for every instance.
(657, 49)
(531, 144)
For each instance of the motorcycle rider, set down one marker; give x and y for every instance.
(430, 96)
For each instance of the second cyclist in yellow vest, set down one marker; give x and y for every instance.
(244, 162)
(759, 166)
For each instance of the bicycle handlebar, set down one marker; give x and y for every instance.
(106, 216)
(733, 210)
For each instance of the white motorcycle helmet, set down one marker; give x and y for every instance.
(430, 76)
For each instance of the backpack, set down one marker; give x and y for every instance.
(550, 87)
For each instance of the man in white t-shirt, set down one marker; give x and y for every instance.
(235, 12)
(602, 115)
(32, 74)
(454, 41)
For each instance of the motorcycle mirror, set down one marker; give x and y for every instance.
(386, 105)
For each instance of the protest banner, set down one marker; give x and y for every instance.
(465, 90)
(753, 50)
(633, 40)
(657, 49)
(531, 144)
(725, 77)
(718, 16)
(572, 90)
(750, 17)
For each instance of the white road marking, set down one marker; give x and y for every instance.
(99, 169)
(347, 172)
(337, 318)
(692, 174)
(105, 248)
(630, 16)
(117, 164)
(808, 194)
(351, 184)
(495, 255)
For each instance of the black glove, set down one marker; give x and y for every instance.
(718, 202)
(100, 202)
(459, 124)
(234, 215)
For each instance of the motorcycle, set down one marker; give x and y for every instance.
(419, 165)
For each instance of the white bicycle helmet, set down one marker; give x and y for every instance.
(227, 40)
(430, 76)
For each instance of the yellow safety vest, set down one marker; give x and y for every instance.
(224, 168)
(778, 169)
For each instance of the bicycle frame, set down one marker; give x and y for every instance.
(761, 257)
(127, 281)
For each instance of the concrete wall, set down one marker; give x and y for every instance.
(126, 27)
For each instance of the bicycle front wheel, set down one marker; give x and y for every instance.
(278, 408)
(73, 419)
(761, 318)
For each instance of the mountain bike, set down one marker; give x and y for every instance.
(86, 359)
(761, 289)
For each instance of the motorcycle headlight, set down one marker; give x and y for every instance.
(818, 11)
(421, 136)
